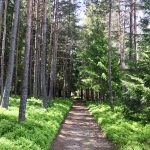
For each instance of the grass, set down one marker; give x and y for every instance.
(40, 128)
(126, 134)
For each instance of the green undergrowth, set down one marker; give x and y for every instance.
(40, 128)
(126, 134)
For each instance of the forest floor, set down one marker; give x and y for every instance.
(80, 132)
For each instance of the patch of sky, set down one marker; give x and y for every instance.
(81, 11)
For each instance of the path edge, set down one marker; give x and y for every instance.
(101, 130)
(50, 146)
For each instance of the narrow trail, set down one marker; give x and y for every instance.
(80, 132)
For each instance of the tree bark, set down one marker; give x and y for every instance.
(109, 57)
(121, 38)
(32, 49)
(131, 55)
(24, 93)
(49, 54)
(9, 76)
(3, 47)
(1, 17)
(43, 57)
(135, 33)
(35, 84)
(87, 94)
(16, 62)
(81, 93)
(92, 94)
(39, 23)
(65, 70)
(53, 74)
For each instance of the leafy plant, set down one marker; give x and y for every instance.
(40, 128)
(126, 134)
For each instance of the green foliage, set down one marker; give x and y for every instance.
(40, 128)
(136, 99)
(137, 79)
(126, 134)
(93, 53)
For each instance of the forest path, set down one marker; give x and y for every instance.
(80, 132)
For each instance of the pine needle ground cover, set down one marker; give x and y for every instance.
(126, 134)
(40, 128)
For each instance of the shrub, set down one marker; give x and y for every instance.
(126, 134)
(40, 128)
(136, 100)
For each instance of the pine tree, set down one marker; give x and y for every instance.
(43, 56)
(109, 57)
(52, 91)
(10, 69)
(24, 93)
(1, 18)
(3, 47)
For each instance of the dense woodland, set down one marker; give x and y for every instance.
(46, 52)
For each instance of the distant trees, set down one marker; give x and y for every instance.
(97, 55)
(50, 55)
(124, 34)
(32, 51)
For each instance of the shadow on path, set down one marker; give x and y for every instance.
(80, 132)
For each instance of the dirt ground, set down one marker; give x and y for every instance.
(80, 132)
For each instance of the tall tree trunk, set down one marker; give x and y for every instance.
(16, 67)
(121, 37)
(35, 84)
(1, 18)
(96, 96)
(49, 54)
(109, 57)
(32, 49)
(3, 47)
(70, 44)
(81, 93)
(64, 80)
(92, 94)
(135, 33)
(9, 76)
(123, 64)
(43, 57)
(24, 93)
(17, 59)
(30, 64)
(53, 74)
(131, 31)
(87, 94)
(65, 70)
(39, 49)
